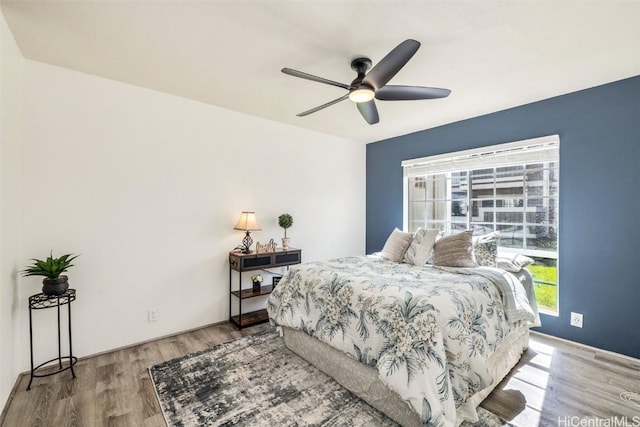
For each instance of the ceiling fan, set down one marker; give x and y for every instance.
(367, 86)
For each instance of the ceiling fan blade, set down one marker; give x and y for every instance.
(408, 93)
(391, 64)
(369, 111)
(296, 73)
(328, 104)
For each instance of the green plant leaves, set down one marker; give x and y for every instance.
(285, 221)
(51, 268)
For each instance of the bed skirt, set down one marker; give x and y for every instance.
(363, 381)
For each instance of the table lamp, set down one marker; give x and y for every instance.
(248, 222)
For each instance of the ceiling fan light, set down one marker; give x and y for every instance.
(362, 94)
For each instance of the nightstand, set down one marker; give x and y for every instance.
(241, 263)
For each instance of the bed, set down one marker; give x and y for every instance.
(422, 344)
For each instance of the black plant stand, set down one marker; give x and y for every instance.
(42, 301)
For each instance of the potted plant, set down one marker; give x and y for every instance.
(257, 282)
(285, 221)
(51, 268)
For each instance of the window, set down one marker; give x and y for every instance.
(511, 188)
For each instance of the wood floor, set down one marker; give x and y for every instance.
(553, 382)
(557, 383)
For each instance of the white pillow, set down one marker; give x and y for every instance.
(396, 245)
(421, 245)
(512, 262)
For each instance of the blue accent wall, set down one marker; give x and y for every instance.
(599, 242)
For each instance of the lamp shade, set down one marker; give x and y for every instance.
(247, 222)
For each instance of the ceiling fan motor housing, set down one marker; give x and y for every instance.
(361, 92)
(360, 66)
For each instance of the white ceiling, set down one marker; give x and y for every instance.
(491, 54)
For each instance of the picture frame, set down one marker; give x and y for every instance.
(275, 281)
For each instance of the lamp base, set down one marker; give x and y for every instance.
(246, 243)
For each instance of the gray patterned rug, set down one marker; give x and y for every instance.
(257, 381)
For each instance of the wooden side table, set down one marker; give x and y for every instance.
(39, 302)
(241, 262)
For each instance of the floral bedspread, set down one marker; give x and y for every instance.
(428, 331)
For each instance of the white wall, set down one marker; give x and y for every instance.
(10, 208)
(148, 186)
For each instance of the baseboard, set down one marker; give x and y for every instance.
(124, 347)
(10, 398)
(173, 334)
(595, 349)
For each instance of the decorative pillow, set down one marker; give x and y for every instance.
(438, 237)
(454, 251)
(513, 262)
(421, 246)
(485, 249)
(396, 245)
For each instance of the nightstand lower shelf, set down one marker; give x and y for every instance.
(250, 293)
(251, 318)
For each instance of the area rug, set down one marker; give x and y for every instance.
(257, 381)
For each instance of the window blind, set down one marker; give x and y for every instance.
(543, 149)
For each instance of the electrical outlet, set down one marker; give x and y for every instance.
(152, 314)
(576, 319)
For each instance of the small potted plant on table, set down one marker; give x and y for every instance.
(52, 268)
(256, 280)
(285, 221)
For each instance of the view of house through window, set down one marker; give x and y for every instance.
(520, 200)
